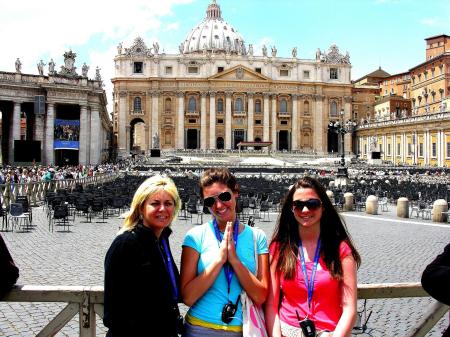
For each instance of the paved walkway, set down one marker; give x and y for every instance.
(392, 250)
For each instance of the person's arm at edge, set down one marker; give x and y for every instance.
(273, 298)
(349, 297)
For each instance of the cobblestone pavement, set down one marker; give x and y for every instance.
(392, 250)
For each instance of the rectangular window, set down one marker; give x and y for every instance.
(389, 149)
(448, 150)
(409, 150)
(433, 149)
(193, 70)
(168, 70)
(258, 70)
(305, 74)
(283, 122)
(333, 74)
(220, 121)
(421, 149)
(192, 121)
(219, 69)
(138, 67)
(258, 122)
(284, 72)
(398, 150)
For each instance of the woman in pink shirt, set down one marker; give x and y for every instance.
(312, 268)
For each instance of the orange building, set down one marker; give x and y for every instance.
(421, 136)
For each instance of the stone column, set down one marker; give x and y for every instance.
(127, 139)
(266, 127)
(203, 140)
(147, 138)
(180, 120)
(95, 133)
(250, 117)
(83, 153)
(212, 120)
(49, 152)
(274, 123)
(294, 121)
(318, 140)
(228, 121)
(39, 122)
(348, 137)
(155, 116)
(15, 130)
(122, 121)
(440, 147)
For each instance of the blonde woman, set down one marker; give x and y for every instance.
(141, 278)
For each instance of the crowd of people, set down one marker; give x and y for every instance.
(304, 277)
(22, 175)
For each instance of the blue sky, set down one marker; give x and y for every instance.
(386, 33)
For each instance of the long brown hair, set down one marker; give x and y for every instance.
(332, 232)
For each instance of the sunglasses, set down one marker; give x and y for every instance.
(311, 204)
(210, 201)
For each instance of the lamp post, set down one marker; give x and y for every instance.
(341, 128)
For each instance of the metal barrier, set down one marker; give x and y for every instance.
(36, 191)
(88, 301)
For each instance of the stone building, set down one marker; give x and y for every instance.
(59, 118)
(415, 132)
(218, 91)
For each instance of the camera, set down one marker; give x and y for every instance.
(308, 328)
(228, 312)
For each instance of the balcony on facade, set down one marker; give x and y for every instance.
(137, 112)
(239, 113)
(284, 114)
(192, 113)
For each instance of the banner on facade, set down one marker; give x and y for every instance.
(67, 134)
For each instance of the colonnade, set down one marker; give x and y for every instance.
(92, 141)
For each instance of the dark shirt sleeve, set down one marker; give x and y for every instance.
(8, 270)
(436, 277)
(118, 288)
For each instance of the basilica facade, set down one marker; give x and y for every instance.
(218, 92)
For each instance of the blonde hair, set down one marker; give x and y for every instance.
(146, 190)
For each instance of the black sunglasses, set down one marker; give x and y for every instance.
(311, 204)
(224, 196)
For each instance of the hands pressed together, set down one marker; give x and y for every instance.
(227, 250)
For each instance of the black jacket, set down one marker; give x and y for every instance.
(138, 289)
(8, 270)
(436, 279)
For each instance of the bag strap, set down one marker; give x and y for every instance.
(255, 250)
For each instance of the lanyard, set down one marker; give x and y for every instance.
(169, 266)
(309, 285)
(227, 268)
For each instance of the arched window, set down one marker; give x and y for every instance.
(283, 105)
(192, 105)
(238, 105)
(333, 109)
(137, 106)
(258, 105)
(306, 107)
(168, 105)
(220, 105)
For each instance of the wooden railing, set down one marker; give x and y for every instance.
(36, 191)
(87, 302)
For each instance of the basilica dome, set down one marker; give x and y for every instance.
(213, 34)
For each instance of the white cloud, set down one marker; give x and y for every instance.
(34, 30)
(173, 26)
